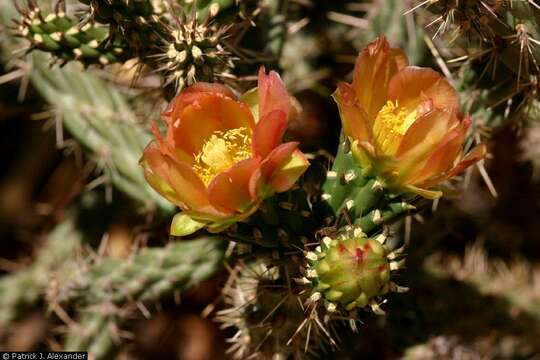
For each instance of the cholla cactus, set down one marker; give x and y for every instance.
(309, 247)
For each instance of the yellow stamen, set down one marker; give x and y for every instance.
(221, 151)
(391, 124)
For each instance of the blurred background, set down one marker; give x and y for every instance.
(472, 259)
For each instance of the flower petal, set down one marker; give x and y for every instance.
(209, 113)
(428, 194)
(230, 189)
(374, 68)
(444, 155)
(475, 155)
(176, 181)
(287, 174)
(425, 133)
(275, 162)
(166, 146)
(268, 133)
(354, 119)
(273, 94)
(191, 94)
(412, 85)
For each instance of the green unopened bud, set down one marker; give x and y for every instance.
(351, 269)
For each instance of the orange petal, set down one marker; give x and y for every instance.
(270, 167)
(273, 94)
(166, 146)
(428, 194)
(412, 85)
(176, 181)
(191, 94)
(288, 173)
(268, 132)
(426, 132)
(475, 155)
(209, 113)
(354, 119)
(230, 189)
(374, 68)
(445, 155)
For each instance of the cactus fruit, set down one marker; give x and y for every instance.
(351, 271)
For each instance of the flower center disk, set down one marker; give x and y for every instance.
(221, 151)
(391, 124)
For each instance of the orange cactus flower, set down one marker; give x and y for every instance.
(222, 156)
(403, 122)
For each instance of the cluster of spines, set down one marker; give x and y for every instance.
(267, 313)
(62, 36)
(194, 52)
(369, 276)
(496, 35)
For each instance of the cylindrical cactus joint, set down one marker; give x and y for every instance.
(351, 271)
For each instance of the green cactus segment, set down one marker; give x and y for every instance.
(351, 270)
(150, 275)
(352, 190)
(61, 35)
(108, 290)
(283, 221)
(24, 289)
(96, 333)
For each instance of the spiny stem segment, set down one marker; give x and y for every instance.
(353, 191)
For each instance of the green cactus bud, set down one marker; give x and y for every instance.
(350, 271)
